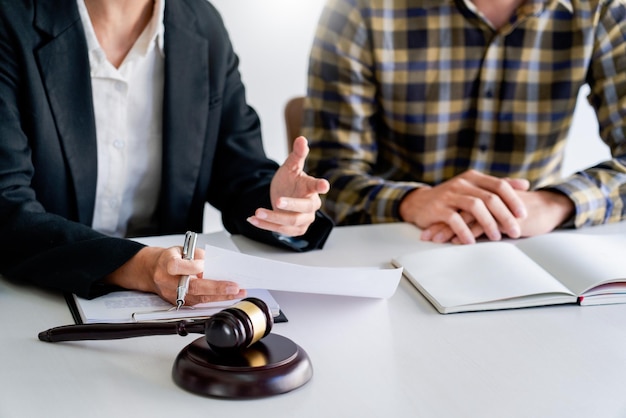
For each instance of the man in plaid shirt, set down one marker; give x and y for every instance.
(453, 114)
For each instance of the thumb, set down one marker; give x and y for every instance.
(295, 160)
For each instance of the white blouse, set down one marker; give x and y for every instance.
(128, 107)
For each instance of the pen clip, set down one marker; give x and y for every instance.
(189, 247)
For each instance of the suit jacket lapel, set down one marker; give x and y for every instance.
(185, 110)
(64, 66)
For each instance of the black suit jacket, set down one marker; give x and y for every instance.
(212, 149)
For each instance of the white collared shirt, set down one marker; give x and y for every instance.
(128, 108)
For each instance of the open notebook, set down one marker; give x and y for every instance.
(555, 268)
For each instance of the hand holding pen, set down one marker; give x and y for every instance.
(189, 247)
(162, 271)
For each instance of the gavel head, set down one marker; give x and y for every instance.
(239, 326)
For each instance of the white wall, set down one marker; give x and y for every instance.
(273, 38)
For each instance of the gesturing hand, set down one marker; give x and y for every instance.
(294, 195)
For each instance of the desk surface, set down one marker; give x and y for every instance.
(371, 358)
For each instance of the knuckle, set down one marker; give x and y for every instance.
(491, 199)
(500, 186)
(449, 217)
(316, 203)
(475, 204)
(173, 265)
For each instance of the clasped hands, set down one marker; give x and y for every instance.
(295, 199)
(473, 204)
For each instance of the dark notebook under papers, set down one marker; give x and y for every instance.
(128, 306)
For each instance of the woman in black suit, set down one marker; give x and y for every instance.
(121, 118)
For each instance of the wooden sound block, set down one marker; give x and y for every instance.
(271, 366)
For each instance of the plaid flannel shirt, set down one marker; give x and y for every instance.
(404, 93)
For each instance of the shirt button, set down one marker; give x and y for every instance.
(489, 94)
(120, 87)
(113, 202)
(118, 143)
(482, 147)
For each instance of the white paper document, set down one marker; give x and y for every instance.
(251, 272)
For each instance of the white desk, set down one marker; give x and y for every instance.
(371, 358)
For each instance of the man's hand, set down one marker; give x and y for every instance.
(546, 211)
(294, 195)
(469, 204)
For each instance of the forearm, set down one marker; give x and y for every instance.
(547, 211)
(50, 250)
(138, 272)
(61, 255)
(598, 193)
(361, 198)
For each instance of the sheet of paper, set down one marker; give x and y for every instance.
(252, 272)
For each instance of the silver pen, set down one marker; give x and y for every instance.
(189, 247)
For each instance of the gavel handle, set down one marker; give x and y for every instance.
(119, 331)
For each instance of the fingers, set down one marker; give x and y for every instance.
(295, 163)
(519, 184)
(502, 190)
(492, 215)
(492, 202)
(178, 266)
(290, 223)
(442, 232)
(206, 290)
(462, 215)
(294, 195)
(293, 215)
(295, 160)
(467, 206)
(171, 267)
(321, 186)
(296, 205)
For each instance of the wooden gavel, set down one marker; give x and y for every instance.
(233, 328)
